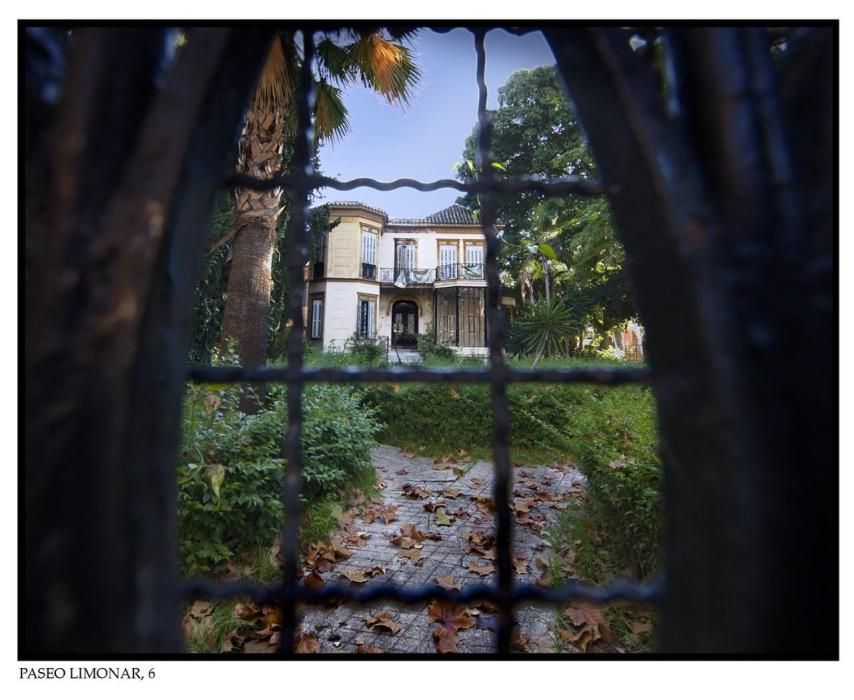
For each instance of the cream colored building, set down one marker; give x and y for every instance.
(393, 279)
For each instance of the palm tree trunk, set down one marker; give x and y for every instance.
(546, 279)
(250, 281)
(247, 304)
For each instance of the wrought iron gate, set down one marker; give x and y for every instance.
(731, 493)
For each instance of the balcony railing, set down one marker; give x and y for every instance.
(405, 277)
(369, 272)
(459, 271)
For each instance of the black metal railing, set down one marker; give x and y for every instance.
(290, 592)
(460, 271)
(407, 275)
(369, 272)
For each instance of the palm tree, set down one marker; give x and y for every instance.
(378, 60)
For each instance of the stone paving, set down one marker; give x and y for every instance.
(343, 629)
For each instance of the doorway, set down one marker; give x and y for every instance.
(404, 324)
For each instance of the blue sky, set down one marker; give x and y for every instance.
(426, 138)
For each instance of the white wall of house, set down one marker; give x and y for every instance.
(341, 309)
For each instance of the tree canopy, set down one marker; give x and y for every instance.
(565, 246)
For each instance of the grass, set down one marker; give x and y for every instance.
(208, 634)
(320, 518)
(570, 541)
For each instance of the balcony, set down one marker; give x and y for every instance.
(459, 271)
(369, 272)
(409, 277)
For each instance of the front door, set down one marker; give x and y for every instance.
(404, 324)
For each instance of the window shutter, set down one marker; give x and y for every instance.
(369, 248)
(316, 317)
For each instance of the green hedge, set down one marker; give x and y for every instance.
(231, 470)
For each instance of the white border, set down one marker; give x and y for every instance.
(694, 680)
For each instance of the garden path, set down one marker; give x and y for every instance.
(459, 493)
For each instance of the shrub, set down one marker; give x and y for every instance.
(231, 469)
(447, 418)
(429, 348)
(370, 352)
(338, 437)
(615, 444)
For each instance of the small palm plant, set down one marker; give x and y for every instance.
(546, 326)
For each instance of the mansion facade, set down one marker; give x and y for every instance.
(394, 279)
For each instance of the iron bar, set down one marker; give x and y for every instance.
(497, 368)
(619, 589)
(605, 376)
(297, 254)
(514, 185)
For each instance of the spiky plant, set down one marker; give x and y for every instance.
(545, 327)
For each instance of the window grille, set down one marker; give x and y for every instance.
(506, 594)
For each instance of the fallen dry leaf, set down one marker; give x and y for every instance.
(414, 555)
(481, 569)
(442, 518)
(485, 503)
(520, 565)
(201, 608)
(413, 491)
(432, 506)
(307, 644)
(313, 580)
(388, 513)
(383, 622)
(523, 505)
(589, 625)
(448, 492)
(355, 576)
(445, 639)
(447, 582)
(368, 649)
(449, 619)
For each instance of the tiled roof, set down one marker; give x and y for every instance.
(454, 215)
(357, 205)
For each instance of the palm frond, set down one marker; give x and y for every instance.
(385, 66)
(334, 62)
(330, 114)
(275, 90)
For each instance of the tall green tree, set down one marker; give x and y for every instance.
(378, 60)
(558, 246)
